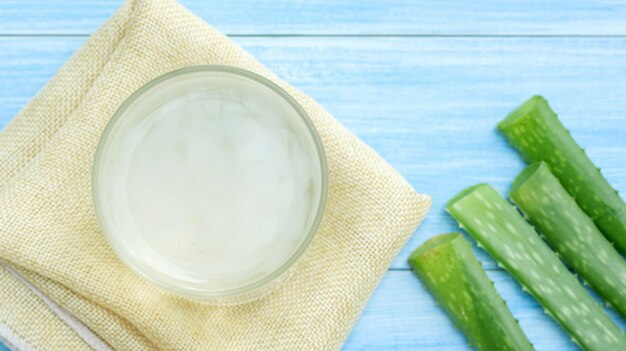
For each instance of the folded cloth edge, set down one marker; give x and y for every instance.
(16, 152)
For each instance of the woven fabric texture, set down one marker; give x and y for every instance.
(27, 323)
(49, 231)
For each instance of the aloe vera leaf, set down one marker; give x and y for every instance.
(538, 193)
(500, 229)
(535, 130)
(451, 272)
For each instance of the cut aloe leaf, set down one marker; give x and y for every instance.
(500, 229)
(535, 130)
(451, 272)
(538, 193)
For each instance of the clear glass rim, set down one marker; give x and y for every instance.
(199, 293)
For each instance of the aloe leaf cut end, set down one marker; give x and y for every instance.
(536, 131)
(453, 274)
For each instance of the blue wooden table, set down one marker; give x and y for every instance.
(423, 82)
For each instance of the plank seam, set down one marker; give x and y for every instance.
(434, 36)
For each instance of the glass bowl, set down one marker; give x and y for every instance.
(112, 194)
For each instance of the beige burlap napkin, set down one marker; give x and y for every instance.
(49, 233)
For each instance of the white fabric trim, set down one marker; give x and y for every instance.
(79, 327)
(11, 341)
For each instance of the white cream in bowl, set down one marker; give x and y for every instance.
(210, 182)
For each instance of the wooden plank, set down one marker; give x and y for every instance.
(428, 105)
(405, 17)
(403, 316)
